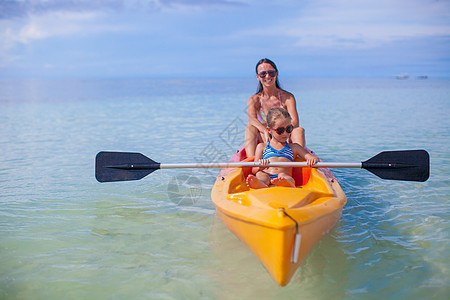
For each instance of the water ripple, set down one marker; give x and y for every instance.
(62, 230)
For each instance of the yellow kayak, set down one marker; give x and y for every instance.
(279, 224)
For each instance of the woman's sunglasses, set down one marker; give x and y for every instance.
(272, 73)
(280, 130)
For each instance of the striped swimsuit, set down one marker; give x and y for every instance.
(286, 152)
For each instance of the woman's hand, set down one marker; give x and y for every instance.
(311, 160)
(266, 136)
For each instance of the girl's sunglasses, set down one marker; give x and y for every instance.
(272, 73)
(280, 130)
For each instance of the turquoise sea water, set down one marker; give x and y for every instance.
(65, 236)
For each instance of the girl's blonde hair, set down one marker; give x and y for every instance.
(276, 113)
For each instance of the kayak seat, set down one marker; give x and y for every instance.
(248, 170)
(301, 175)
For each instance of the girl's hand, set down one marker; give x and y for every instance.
(264, 163)
(311, 160)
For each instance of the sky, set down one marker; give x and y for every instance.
(223, 38)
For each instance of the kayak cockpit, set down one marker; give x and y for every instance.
(310, 189)
(300, 175)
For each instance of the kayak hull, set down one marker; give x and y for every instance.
(280, 225)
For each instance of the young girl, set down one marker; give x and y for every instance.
(278, 149)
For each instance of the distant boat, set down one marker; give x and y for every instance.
(402, 76)
(422, 77)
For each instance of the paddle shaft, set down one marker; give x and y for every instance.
(257, 164)
(230, 165)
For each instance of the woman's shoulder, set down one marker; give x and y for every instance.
(285, 95)
(255, 97)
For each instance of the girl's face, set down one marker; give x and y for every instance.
(267, 74)
(282, 125)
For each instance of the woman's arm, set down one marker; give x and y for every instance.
(291, 107)
(253, 106)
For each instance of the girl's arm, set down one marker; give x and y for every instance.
(258, 155)
(310, 159)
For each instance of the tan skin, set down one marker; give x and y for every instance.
(256, 132)
(261, 178)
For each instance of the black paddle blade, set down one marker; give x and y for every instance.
(121, 166)
(410, 165)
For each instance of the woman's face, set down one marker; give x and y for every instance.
(265, 73)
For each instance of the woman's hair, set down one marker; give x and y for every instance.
(276, 113)
(267, 61)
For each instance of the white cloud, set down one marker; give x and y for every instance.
(63, 24)
(42, 26)
(171, 28)
(362, 24)
(359, 24)
(17, 33)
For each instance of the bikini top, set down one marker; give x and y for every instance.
(261, 115)
(286, 152)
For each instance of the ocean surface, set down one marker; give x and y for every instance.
(63, 235)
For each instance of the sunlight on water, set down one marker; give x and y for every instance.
(64, 235)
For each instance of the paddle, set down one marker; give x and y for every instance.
(410, 165)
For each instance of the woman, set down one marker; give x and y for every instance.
(269, 95)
